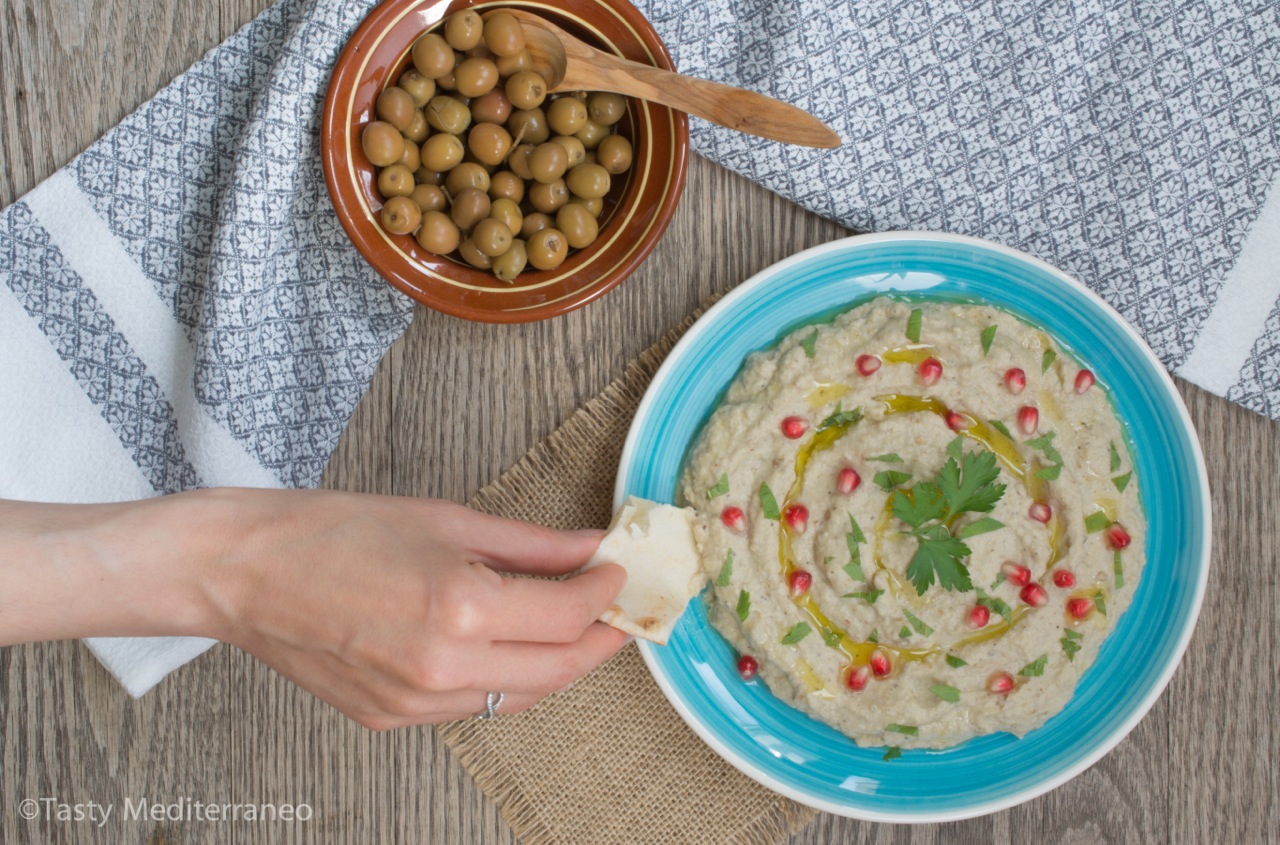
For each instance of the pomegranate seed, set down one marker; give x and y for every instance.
(848, 480)
(1079, 608)
(1117, 537)
(956, 422)
(930, 371)
(1064, 579)
(1028, 419)
(1084, 381)
(734, 519)
(1034, 595)
(794, 428)
(867, 364)
(1040, 512)
(979, 616)
(857, 678)
(797, 517)
(1000, 683)
(1015, 380)
(1015, 573)
(747, 667)
(880, 665)
(799, 582)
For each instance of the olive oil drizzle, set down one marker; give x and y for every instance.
(913, 353)
(857, 652)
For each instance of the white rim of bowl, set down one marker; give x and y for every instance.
(1144, 706)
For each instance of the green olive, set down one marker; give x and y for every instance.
(442, 152)
(588, 181)
(503, 34)
(567, 115)
(382, 143)
(446, 82)
(573, 148)
(395, 106)
(548, 249)
(463, 29)
(548, 162)
(614, 154)
(518, 161)
(448, 114)
(526, 89)
(472, 255)
(429, 198)
(438, 234)
(595, 206)
(475, 76)
(578, 224)
(591, 134)
(466, 175)
(420, 88)
(489, 143)
(535, 223)
(548, 196)
(401, 215)
(470, 206)
(395, 181)
(493, 107)
(529, 126)
(411, 158)
(606, 108)
(506, 185)
(491, 236)
(418, 127)
(508, 211)
(432, 56)
(509, 66)
(511, 263)
(425, 176)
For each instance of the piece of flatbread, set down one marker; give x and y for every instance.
(655, 544)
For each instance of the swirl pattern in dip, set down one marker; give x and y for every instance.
(920, 521)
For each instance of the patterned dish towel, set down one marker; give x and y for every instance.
(179, 307)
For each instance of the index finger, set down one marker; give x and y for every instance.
(533, 610)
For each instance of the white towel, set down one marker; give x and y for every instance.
(179, 307)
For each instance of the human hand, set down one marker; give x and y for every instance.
(393, 610)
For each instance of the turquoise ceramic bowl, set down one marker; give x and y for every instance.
(786, 750)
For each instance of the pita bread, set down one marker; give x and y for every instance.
(655, 544)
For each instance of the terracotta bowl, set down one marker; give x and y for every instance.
(637, 209)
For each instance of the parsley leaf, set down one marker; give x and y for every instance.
(841, 418)
(981, 526)
(1118, 568)
(905, 730)
(946, 693)
(1049, 473)
(1115, 457)
(888, 479)
(988, 335)
(939, 553)
(768, 503)
(831, 638)
(869, 596)
(922, 503)
(956, 662)
(969, 485)
(1070, 647)
(851, 540)
(994, 604)
(956, 447)
(726, 570)
(808, 342)
(1122, 481)
(913, 325)
(744, 605)
(1001, 427)
(893, 753)
(920, 627)
(904, 633)
(888, 458)
(721, 487)
(874, 636)
(798, 632)
(1095, 522)
(1035, 668)
(1046, 360)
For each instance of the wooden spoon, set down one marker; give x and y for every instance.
(569, 64)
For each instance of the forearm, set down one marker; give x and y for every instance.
(130, 569)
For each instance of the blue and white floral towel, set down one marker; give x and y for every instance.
(179, 307)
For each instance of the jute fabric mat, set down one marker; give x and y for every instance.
(608, 760)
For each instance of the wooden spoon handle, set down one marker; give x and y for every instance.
(736, 108)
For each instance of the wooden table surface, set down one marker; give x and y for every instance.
(453, 404)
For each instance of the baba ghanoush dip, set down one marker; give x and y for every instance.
(919, 521)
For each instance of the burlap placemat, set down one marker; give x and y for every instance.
(607, 761)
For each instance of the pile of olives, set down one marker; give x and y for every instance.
(475, 158)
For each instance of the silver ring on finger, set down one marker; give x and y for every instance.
(492, 701)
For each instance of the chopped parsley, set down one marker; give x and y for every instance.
(1001, 427)
(831, 638)
(721, 487)
(1122, 481)
(905, 730)
(981, 526)
(1115, 457)
(893, 753)
(874, 636)
(888, 479)
(964, 486)
(955, 448)
(913, 325)
(1071, 644)
(798, 632)
(852, 539)
(1044, 443)
(988, 335)
(888, 458)
(869, 596)
(956, 662)
(744, 605)
(768, 503)
(920, 627)
(946, 693)
(1096, 521)
(1101, 603)
(1035, 668)
(808, 342)
(904, 633)
(994, 604)
(841, 418)
(726, 570)
(1117, 566)
(1049, 473)
(1047, 359)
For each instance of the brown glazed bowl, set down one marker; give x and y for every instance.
(637, 209)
